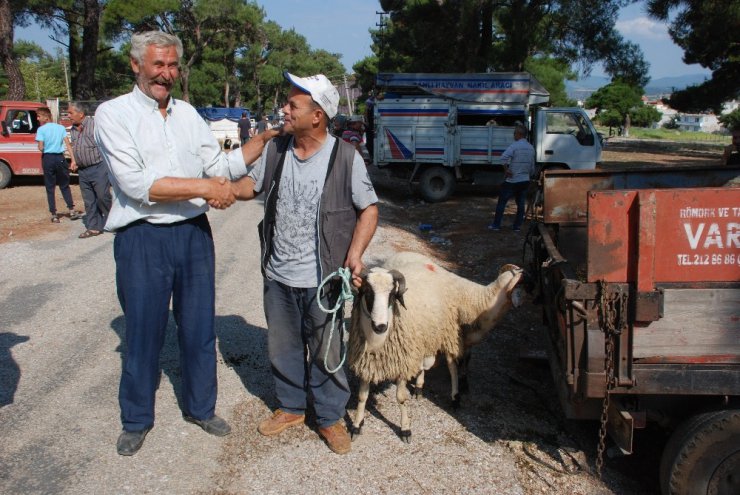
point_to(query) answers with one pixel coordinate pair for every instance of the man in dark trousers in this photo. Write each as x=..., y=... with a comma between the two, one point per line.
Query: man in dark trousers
x=518, y=160
x=320, y=214
x=52, y=140
x=245, y=128
x=93, y=174
x=166, y=169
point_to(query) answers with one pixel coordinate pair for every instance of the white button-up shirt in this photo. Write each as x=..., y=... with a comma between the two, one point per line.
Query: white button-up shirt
x=140, y=146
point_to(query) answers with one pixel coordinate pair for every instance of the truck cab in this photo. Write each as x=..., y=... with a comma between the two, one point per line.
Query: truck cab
x=19, y=153
x=565, y=138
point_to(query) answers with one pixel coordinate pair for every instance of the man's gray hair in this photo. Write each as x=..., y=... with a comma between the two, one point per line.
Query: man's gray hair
x=81, y=106
x=521, y=130
x=140, y=41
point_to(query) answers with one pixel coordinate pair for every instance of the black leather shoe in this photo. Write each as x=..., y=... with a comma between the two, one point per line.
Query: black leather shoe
x=129, y=442
x=214, y=425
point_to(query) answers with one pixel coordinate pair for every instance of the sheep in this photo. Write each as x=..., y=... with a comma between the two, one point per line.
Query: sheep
x=409, y=311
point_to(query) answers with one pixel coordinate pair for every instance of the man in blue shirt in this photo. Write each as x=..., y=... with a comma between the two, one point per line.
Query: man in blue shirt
x=518, y=160
x=51, y=140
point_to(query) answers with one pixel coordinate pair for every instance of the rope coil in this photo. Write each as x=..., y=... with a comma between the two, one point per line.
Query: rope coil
x=345, y=294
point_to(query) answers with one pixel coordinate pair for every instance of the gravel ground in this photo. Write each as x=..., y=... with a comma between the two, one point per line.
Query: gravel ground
x=59, y=368
x=60, y=357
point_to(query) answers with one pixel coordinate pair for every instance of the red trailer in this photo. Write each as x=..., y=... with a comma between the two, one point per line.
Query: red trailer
x=639, y=275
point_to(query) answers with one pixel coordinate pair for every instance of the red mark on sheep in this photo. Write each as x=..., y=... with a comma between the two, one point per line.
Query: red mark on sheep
x=431, y=267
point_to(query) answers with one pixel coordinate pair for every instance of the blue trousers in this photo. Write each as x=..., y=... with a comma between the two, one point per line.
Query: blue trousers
x=518, y=190
x=56, y=173
x=297, y=326
x=95, y=190
x=153, y=264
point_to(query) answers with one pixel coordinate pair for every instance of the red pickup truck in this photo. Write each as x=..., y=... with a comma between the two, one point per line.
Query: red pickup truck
x=19, y=153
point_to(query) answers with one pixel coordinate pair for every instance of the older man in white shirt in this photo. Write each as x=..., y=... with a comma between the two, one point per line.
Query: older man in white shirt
x=166, y=169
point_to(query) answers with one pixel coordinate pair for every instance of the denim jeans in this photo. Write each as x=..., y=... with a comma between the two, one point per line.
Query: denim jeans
x=518, y=190
x=298, y=333
x=56, y=173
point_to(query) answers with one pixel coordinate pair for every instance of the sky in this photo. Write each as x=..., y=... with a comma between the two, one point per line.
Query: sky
x=342, y=26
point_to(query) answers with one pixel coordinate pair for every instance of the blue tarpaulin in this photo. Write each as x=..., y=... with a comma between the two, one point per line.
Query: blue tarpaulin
x=219, y=113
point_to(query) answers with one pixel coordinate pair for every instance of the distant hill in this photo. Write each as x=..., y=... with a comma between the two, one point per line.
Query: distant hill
x=581, y=89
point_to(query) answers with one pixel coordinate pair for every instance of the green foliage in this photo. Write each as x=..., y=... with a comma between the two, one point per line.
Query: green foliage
x=507, y=35
x=43, y=80
x=707, y=30
x=610, y=118
x=617, y=98
x=676, y=135
x=552, y=73
x=43, y=74
x=645, y=116
x=731, y=120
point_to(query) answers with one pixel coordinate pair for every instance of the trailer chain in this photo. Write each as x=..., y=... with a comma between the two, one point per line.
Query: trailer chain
x=612, y=321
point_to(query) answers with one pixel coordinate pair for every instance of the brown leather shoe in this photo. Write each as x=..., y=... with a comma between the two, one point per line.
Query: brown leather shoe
x=279, y=422
x=336, y=437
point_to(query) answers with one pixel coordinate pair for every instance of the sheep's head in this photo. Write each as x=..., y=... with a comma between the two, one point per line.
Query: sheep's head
x=511, y=279
x=379, y=294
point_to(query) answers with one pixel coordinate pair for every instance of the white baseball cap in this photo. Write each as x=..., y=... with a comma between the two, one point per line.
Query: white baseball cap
x=322, y=91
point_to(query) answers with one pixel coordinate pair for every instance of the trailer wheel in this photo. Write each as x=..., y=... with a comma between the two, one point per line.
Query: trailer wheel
x=436, y=184
x=703, y=456
x=5, y=175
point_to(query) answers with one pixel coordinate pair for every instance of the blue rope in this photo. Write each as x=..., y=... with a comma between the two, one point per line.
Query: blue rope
x=345, y=275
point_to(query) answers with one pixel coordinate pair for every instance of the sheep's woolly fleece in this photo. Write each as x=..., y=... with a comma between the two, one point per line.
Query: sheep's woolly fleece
x=441, y=304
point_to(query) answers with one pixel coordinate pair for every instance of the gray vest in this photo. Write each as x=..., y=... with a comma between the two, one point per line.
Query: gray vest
x=337, y=215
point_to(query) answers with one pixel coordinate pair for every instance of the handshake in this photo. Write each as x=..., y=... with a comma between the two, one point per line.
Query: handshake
x=221, y=193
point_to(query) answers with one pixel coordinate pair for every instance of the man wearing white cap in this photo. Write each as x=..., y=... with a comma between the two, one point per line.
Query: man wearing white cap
x=320, y=215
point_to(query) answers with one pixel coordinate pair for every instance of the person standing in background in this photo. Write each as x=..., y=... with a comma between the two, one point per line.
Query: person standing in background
x=93, y=174
x=52, y=141
x=245, y=128
x=262, y=125
x=518, y=160
x=370, y=119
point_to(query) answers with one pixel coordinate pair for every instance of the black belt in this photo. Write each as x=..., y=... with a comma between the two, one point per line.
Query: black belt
x=195, y=220
x=88, y=166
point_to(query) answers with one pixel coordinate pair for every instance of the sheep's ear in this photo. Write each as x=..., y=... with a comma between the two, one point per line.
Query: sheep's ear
x=508, y=267
x=400, y=281
x=516, y=276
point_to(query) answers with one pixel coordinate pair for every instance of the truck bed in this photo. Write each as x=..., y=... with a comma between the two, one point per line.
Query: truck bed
x=668, y=241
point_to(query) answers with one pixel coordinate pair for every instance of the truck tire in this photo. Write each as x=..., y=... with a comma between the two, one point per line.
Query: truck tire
x=703, y=456
x=436, y=184
x=5, y=175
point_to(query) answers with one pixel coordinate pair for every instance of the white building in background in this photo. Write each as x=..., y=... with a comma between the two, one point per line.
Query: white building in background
x=698, y=122
x=730, y=106
x=667, y=113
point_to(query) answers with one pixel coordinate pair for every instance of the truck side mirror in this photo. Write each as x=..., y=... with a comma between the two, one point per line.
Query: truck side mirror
x=6, y=132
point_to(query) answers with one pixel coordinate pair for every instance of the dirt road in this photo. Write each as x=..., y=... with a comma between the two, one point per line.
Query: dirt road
x=60, y=356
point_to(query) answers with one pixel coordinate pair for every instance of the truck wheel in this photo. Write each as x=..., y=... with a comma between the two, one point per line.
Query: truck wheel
x=436, y=184
x=5, y=175
x=703, y=456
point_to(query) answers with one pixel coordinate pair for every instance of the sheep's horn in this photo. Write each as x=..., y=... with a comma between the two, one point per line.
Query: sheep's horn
x=399, y=279
x=363, y=274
